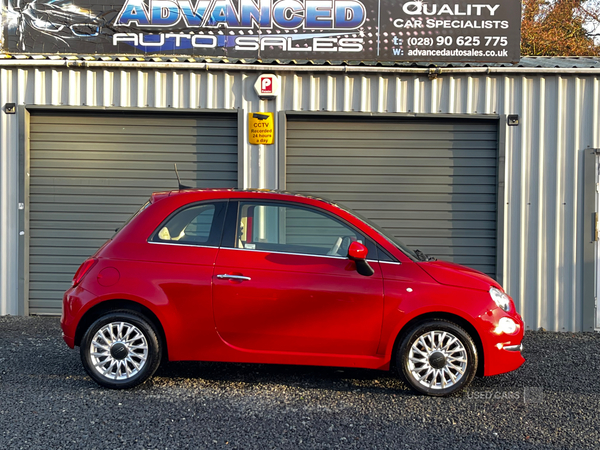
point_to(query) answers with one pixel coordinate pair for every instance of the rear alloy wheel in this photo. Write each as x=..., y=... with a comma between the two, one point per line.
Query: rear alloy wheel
x=437, y=358
x=120, y=350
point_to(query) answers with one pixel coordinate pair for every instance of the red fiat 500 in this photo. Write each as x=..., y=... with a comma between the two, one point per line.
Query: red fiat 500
x=267, y=277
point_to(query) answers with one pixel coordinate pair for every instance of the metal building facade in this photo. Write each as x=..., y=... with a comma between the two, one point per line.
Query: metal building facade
x=543, y=186
x=432, y=183
x=90, y=172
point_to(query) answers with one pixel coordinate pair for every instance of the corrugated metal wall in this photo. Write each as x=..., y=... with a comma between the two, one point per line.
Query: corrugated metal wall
x=430, y=182
x=91, y=172
x=543, y=229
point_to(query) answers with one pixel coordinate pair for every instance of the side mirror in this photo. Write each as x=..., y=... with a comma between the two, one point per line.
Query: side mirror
x=357, y=252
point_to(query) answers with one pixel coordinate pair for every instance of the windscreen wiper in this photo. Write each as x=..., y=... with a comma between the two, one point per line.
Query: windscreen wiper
x=423, y=257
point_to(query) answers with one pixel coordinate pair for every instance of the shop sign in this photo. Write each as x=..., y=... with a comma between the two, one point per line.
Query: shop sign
x=338, y=30
x=261, y=128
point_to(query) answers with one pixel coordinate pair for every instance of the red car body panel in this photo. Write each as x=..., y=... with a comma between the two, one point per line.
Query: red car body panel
x=294, y=309
x=451, y=274
x=297, y=304
x=428, y=296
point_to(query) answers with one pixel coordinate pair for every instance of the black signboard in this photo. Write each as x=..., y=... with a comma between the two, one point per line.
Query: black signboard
x=339, y=30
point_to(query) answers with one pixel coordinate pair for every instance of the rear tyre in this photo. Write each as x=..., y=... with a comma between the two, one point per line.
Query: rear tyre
x=437, y=358
x=121, y=350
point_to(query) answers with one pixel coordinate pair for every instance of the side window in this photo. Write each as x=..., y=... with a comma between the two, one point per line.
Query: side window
x=196, y=225
x=292, y=229
x=384, y=256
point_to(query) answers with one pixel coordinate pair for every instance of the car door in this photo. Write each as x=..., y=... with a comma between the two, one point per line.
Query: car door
x=283, y=283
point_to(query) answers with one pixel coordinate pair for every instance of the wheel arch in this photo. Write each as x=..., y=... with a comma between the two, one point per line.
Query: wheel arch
x=450, y=317
x=107, y=306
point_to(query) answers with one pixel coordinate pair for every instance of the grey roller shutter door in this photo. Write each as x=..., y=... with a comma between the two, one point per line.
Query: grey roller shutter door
x=90, y=172
x=431, y=183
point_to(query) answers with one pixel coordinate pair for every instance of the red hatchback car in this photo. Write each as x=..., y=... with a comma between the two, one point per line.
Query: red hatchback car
x=273, y=277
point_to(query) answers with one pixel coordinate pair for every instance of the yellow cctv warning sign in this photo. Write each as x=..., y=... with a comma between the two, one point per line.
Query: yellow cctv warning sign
x=261, y=128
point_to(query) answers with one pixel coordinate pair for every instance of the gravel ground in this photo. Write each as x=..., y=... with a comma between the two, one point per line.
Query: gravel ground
x=48, y=402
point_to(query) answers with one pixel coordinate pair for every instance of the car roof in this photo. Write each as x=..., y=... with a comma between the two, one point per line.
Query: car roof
x=232, y=191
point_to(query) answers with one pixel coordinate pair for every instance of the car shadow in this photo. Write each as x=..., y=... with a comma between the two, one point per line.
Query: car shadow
x=309, y=377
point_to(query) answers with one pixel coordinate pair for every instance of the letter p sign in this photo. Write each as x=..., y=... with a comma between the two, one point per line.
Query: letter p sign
x=267, y=85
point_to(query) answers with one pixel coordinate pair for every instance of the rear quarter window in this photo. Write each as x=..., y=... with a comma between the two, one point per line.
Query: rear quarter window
x=199, y=224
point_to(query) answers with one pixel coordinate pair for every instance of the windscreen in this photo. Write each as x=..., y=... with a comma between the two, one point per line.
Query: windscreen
x=392, y=239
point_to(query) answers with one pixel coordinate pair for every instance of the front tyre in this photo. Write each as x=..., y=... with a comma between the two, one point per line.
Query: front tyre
x=120, y=350
x=437, y=358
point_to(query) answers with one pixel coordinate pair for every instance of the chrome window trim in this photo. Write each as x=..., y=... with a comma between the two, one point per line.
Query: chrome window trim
x=265, y=251
x=182, y=245
x=290, y=253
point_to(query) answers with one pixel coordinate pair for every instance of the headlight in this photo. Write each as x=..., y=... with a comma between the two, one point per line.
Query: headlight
x=500, y=298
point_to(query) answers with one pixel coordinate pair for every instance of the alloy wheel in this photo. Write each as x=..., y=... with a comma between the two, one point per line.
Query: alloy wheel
x=118, y=351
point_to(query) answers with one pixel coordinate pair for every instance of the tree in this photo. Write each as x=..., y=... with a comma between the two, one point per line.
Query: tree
x=560, y=28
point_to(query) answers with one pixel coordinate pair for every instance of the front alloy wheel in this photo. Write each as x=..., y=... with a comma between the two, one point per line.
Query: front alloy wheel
x=437, y=358
x=120, y=350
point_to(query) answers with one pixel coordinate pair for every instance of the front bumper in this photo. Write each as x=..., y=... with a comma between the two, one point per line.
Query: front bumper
x=502, y=360
x=502, y=352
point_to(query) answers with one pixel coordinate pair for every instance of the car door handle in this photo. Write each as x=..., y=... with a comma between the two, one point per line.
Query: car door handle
x=226, y=276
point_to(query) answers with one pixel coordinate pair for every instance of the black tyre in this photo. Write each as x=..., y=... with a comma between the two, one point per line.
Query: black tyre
x=437, y=358
x=121, y=350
